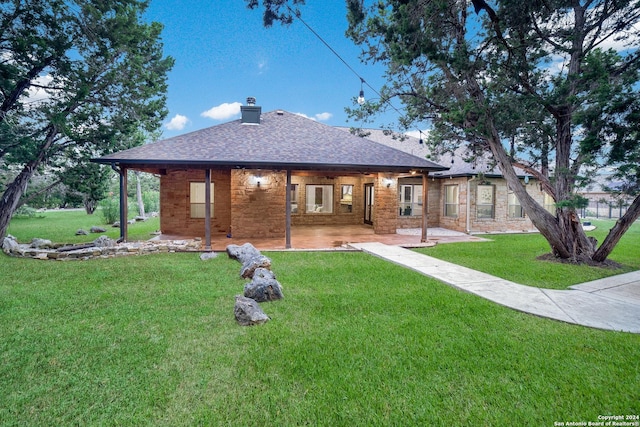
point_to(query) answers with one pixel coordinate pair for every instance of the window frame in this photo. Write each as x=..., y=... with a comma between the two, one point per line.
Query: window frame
x=451, y=203
x=485, y=201
x=295, y=194
x=511, y=207
x=326, y=205
x=346, y=198
x=195, y=205
x=412, y=206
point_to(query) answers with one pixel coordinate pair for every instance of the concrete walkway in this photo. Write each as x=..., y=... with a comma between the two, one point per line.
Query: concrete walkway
x=612, y=303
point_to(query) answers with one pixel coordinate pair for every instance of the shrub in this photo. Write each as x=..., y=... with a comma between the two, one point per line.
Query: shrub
x=151, y=200
x=110, y=208
x=25, y=211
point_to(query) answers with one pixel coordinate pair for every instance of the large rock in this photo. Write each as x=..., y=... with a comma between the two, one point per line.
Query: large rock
x=104, y=242
x=208, y=255
x=248, y=312
x=41, y=243
x=263, y=286
x=96, y=229
x=10, y=244
x=250, y=257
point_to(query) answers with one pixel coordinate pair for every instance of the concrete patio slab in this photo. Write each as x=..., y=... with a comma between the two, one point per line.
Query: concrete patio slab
x=611, y=303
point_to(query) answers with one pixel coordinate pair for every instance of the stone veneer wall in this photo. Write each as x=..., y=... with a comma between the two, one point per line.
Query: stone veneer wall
x=501, y=222
x=458, y=223
x=258, y=212
x=385, y=217
x=175, y=215
x=340, y=215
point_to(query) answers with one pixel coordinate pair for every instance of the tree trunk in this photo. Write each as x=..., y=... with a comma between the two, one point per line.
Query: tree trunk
x=90, y=205
x=11, y=197
x=15, y=190
x=621, y=226
x=139, y=195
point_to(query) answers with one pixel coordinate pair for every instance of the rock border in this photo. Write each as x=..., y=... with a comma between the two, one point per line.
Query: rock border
x=102, y=247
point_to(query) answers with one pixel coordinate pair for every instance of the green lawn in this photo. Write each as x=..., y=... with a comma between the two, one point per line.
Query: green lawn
x=513, y=257
x=60, y=226
x=357, y=341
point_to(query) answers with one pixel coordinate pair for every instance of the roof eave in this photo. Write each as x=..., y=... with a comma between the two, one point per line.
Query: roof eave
x=202, y=164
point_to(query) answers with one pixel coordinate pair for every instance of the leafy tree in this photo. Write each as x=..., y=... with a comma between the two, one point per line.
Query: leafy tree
x=537, y=84
x=77, y=79
x=89, y=181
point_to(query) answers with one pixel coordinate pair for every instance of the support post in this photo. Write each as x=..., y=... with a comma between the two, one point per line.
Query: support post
x=288, y=213
x=207, y=209
x=122, y=172
x=425, y=205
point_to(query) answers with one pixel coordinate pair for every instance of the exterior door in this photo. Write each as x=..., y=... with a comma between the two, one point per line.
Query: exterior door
x=368, y=203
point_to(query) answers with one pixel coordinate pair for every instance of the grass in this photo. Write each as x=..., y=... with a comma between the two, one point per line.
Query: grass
x=60, y=226
x=356, y=342
x=513, y=257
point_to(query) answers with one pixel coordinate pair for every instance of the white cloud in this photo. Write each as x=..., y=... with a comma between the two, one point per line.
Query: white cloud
x=36, y=94
x=319, y=116
x=324, y=116
x=223, y=111
x=263, y=66
x=178, y=122
x=416, y=134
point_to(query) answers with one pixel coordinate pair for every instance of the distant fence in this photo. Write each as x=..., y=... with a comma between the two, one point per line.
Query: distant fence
x=608, y=210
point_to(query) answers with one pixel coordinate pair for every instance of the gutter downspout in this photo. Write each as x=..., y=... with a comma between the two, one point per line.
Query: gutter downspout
x=469, y=204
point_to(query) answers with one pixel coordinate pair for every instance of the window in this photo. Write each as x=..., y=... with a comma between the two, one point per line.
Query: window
x=451, y=200
x=410, y=200
x=549, y=203
x=484, y=204
x=346, y=199
x=319, y=198
x=294, y=198
x=513, y=204
x=197, y=199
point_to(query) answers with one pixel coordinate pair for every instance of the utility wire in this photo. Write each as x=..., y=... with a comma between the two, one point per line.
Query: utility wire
x=362, y=80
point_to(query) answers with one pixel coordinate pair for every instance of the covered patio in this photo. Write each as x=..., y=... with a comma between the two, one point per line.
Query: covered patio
x=334, y=237
x=262, y=177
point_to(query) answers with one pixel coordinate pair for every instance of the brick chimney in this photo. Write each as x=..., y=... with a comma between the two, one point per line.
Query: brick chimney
x=250, y=112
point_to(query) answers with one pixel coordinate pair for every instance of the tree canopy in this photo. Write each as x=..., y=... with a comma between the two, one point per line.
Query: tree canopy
x=77, y=79
x=551, y=86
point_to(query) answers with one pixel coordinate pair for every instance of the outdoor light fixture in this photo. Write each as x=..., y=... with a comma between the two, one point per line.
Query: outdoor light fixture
x=526, y=179
x=361, y=99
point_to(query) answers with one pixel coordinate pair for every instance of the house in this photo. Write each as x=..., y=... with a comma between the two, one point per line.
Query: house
x=258, y=176
x=470, y=196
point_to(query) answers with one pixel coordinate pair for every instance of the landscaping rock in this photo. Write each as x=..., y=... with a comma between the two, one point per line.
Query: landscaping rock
x=208, y=255
x=84, y=251
x=10, y=244
x=250, y=257
x=116, y=224
x=248, y=312
x=263, y=287
x=104, y=242
x=96, y=229
x=82, y=232
x=41, y=243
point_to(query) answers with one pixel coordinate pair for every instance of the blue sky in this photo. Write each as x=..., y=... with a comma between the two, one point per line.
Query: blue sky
x=223, y=54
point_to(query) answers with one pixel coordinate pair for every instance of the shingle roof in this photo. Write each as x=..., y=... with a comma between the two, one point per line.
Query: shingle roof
x=455, y=162
x=281, y=140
